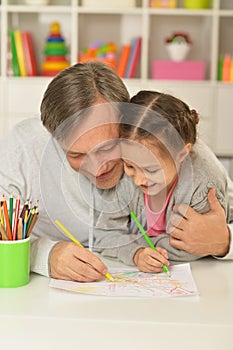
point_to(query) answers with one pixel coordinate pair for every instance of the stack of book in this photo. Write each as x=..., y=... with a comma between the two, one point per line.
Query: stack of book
x=129, y=59
x=225, y=68
x=22, y=61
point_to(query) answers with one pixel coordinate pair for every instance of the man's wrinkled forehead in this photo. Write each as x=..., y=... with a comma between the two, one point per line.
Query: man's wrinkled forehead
x=96, y=118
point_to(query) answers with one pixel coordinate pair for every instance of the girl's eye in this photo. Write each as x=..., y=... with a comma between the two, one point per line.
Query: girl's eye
x=151, y=171
x=128, y=166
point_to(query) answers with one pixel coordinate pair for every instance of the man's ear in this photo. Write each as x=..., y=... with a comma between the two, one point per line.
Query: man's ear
x=185, y=151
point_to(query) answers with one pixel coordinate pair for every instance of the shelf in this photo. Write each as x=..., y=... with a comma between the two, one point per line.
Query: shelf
x=38, y=9
x=210, y=31
x=181, y=12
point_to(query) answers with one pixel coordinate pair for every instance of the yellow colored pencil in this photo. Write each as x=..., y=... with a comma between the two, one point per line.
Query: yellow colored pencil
x=64, y=229
x=5, y=212
x=3, y=233
x=1, y=216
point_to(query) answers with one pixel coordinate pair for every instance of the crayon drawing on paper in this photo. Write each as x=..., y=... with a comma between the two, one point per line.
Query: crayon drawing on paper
x=132, y=282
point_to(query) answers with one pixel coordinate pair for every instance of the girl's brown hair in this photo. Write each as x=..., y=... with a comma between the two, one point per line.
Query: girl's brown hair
x=154, y=113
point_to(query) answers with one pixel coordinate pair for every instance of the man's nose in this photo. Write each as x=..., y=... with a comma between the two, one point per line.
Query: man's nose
x=93, y=161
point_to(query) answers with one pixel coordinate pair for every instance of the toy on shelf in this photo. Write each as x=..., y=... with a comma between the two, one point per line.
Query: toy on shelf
x=178, y=68
x=178, y=46
x=100, y=51
x=182, y=70
x=163, y=3
x=55, y=52
x=196, y=4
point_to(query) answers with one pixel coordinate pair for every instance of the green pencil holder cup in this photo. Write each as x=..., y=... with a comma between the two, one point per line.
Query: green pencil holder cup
x=196, y=4
x=14, y=263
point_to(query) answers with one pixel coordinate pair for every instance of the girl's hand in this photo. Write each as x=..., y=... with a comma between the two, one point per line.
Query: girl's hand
x=149, y=260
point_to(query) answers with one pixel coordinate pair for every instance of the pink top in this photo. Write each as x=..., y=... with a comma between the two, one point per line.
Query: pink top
x=156, y=222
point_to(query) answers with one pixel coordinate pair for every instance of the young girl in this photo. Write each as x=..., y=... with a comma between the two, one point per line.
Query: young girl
x=162, y=155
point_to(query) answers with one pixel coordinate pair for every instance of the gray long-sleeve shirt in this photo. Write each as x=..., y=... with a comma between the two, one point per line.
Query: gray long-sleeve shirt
x=35, y=167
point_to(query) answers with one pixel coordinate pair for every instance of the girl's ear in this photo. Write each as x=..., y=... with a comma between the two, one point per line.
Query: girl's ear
x=185, y=151
x=188, y=147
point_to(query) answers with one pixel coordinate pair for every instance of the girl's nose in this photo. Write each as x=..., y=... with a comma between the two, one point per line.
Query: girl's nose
x=139, y=178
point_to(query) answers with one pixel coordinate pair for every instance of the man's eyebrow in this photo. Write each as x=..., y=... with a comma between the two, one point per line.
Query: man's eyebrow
x=72, y=152
x=102, y=146
x=108, y=143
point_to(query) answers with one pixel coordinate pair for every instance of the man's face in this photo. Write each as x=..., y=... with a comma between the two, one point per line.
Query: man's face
x=94, y=148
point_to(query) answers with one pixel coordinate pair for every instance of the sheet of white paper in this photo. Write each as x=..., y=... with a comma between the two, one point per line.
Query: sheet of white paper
x=134, y=283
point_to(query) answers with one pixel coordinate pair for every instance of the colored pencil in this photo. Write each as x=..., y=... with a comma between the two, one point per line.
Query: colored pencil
x=30, y=218
x=1, y=216
x=7, y=221
x=64, y=229
x=20, y=229
x=150, y=243
x=16, y=217
x=25, y=224
x=25, y=207
x=33, y=222
x=3, y=233
x=11, y=206
x=15, y=226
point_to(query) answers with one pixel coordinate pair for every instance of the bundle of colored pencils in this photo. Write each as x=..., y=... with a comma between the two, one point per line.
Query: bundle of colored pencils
x=13, y=224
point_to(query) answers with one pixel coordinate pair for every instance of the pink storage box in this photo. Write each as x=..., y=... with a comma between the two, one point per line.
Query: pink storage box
x=184, y=70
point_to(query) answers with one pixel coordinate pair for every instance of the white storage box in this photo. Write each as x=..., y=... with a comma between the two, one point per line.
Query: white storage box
x=109, y=3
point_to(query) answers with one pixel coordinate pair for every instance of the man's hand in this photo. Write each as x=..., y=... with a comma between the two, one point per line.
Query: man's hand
x=68, y=261
x=200, y=234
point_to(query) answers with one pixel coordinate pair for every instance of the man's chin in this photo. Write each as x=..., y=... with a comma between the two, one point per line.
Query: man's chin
x=107, y=182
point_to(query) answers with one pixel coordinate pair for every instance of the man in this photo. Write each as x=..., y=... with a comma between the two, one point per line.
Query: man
x=59, y=172
x=77, y=175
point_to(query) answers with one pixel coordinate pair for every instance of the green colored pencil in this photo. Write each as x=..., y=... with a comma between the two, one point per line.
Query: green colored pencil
x=133, y=215
x=11, y=211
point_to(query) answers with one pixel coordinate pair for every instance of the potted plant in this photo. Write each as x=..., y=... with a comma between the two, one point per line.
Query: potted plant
x=178, y=46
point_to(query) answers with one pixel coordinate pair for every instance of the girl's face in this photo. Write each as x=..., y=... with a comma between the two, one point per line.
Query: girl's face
x=150, y=168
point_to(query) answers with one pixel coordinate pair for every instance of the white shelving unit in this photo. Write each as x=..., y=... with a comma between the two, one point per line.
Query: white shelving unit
x=210, y=30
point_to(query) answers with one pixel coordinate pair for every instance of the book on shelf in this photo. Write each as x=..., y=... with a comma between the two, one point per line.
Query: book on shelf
x=29, y=54
x=123, y=59
x=22, y=52
x=15, y=64
x=10, y=72
x=134, y=57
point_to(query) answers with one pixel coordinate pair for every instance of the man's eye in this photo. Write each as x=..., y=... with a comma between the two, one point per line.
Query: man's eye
x=108, y=147
x=74, y=156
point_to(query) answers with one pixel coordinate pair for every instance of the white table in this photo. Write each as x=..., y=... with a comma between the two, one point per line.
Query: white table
x=39, y=317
